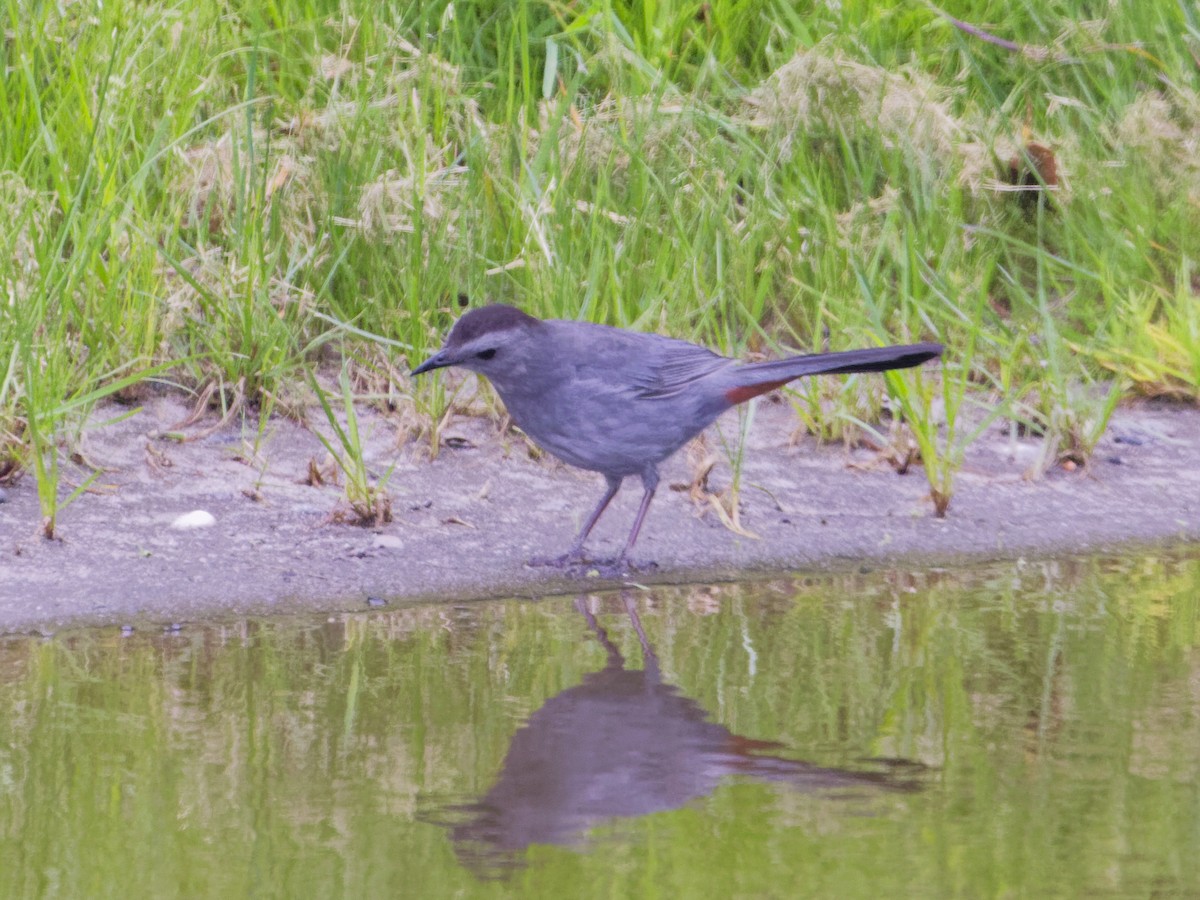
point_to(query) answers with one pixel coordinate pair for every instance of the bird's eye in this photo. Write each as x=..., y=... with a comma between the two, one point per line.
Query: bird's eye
x=486, y=354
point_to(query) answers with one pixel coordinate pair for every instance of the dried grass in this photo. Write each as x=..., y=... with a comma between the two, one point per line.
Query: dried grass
x=599, y=137
x=819, y=96
x=1160, y=134
x=211, y=174
x=28, y=213
x=829, y=95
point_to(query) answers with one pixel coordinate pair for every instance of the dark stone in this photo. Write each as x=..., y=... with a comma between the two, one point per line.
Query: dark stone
x=1130, y=438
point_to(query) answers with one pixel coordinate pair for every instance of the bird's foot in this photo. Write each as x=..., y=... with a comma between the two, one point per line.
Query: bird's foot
x=619, y=567
x=570, y=558
x=614, y=567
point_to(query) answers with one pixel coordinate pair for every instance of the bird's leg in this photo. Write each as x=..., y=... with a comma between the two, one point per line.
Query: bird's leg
x=622, y=565
x=615, y=659
x=649, y=657
x=575, y=554
x=650, y=484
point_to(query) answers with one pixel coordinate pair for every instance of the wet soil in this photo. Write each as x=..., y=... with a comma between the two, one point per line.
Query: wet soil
x=466, y=522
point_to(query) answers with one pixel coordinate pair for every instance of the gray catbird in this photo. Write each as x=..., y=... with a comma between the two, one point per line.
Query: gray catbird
x=620, y=402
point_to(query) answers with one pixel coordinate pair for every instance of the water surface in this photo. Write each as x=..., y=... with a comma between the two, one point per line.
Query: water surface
x=1015, y=730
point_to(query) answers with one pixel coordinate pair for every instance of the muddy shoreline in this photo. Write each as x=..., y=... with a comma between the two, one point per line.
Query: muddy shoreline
x=466, y=521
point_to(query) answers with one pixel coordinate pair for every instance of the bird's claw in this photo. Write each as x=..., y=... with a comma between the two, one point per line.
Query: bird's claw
x=620, y=566
x=570, y=558
x=614, y=567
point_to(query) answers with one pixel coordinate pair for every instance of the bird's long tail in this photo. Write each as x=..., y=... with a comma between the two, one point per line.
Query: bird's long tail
x=758, y=378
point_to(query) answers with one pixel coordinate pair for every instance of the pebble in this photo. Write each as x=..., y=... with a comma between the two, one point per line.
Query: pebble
x=376, y=601
x=197, y=518
x=387, y=542
x=3, y=495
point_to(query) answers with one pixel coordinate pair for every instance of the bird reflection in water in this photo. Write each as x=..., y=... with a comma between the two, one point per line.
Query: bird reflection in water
x=621, y=744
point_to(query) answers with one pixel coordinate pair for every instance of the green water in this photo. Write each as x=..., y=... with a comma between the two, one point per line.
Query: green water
x=1010, y=731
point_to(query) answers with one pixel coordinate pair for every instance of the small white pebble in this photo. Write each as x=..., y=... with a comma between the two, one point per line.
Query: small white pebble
x=197, y=518
x=387, y=542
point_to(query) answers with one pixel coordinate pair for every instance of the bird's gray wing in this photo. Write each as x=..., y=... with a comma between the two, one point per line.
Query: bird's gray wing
x=675, y=366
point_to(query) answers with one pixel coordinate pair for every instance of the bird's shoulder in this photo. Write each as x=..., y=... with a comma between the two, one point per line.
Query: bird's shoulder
x=648, y=365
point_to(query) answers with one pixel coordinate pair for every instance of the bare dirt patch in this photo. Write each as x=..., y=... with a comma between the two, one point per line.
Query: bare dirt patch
x=466, y=522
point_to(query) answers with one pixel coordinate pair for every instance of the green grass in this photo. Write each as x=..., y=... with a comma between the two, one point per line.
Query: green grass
x=367, y=495
x=199, y=188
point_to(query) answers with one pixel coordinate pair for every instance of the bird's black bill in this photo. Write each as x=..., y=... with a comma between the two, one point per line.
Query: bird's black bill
x=437, y=361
